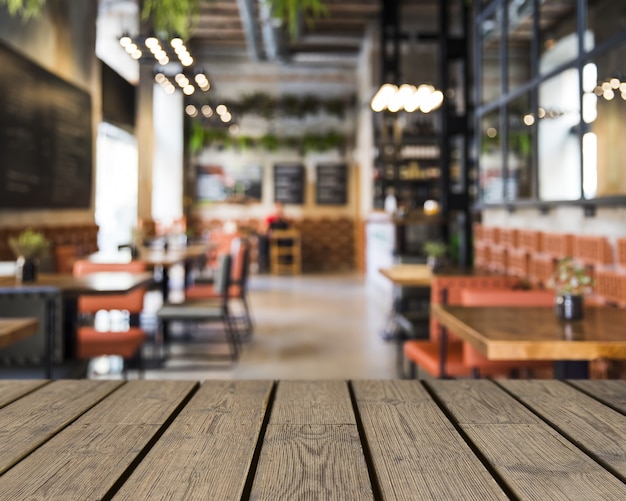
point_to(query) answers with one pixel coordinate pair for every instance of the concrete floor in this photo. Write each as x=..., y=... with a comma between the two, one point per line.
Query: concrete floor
x=307, y=327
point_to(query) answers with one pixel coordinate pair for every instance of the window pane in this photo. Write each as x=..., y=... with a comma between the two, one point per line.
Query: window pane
x=558, y=41
x=491, y=173
x=520, y=168
x=604, y=112
x=605, y=18
x=519, y=43
x=490, y=55
x=558, y=139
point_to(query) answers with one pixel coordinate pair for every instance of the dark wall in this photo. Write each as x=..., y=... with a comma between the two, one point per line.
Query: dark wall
x=118, y=99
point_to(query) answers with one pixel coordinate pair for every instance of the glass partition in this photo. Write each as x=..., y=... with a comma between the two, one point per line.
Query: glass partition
x=491, y=159
x=521, y=122
x=558, y=38
x=490, y=41
x=519, y=42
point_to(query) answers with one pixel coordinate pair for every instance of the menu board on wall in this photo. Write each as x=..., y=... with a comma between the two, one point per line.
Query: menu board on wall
x=45, y=138
x=289, y=183
x=332, y=184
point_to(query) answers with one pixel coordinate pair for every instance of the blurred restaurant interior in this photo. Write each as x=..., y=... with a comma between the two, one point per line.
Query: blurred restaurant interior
x=368, y=129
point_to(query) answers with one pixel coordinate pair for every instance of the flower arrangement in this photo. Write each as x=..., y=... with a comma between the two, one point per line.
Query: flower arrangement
x=570, y=279
x=29, y=244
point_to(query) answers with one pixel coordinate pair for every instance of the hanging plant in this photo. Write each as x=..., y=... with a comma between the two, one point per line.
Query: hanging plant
x=289, y=12
x=171, y=17
x=25, y=9
x=269, y=142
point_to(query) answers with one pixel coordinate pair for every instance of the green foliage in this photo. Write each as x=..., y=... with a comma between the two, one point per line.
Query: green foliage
x=570, y=278
x=25, y=9
x=29, y=244
x=291, y=11
x=435, y=249
x=171, y=17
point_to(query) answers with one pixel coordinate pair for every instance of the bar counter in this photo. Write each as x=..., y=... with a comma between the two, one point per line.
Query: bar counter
x=312, y=440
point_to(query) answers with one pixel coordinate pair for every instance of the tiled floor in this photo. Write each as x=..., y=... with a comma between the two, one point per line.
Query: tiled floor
x=307, y=327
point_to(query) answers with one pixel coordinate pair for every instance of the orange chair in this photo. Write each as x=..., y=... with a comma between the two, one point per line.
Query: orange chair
x=126, y=343
x=459, y=359
x=238, y=288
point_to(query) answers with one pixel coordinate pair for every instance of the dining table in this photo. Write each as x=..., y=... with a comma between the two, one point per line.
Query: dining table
x=325, y=439
x=536, y=333
x=13, y=330
x=71, y=288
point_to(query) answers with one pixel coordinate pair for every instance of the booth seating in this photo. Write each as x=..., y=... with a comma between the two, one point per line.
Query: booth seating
x=455, y=358
x=238, y=289
x=125, y=340
x=285, y=252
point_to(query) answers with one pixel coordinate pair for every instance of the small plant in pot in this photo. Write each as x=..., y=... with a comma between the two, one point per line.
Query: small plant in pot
x=571, y=283
x=435, y=254
x=28, y=247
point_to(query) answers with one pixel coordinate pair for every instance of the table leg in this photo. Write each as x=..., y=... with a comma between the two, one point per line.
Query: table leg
x=571, y=369
x=165, y=283
x=70, y=327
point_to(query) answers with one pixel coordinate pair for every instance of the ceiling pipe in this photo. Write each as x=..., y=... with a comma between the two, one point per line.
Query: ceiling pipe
x=273, y=37
x=248, y=20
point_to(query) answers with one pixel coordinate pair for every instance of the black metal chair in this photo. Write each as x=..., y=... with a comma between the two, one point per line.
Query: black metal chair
x=209, y=311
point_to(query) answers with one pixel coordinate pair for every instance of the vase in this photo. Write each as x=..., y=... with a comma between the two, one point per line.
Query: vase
x=26, y=269
x=434, y=263
x=570, y=306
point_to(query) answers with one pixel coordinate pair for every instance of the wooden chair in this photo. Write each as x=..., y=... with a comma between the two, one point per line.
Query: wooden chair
x=285, y=252
x=238, y=289
x=206, y=311
x=451, y=357
x=126, y=343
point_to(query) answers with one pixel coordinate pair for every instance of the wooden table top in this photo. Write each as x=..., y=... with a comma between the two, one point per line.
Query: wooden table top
x=408, y=275
x=172, y=256
x=264, y=440
x=94, y=284
x=14, y=329
x=525, y=333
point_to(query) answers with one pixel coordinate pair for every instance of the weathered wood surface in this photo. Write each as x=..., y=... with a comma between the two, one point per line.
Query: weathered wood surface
x=12, y=390
x=312, y=448
x=531, y=333
x=14, y=329
x=264, y=440
x=208, y=450
x=530, y=457
x=415, y=449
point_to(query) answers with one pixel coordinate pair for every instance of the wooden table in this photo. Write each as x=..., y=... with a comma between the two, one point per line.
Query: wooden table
x=408, y=275
x=536, y=334
x=374, y=440
x=15, y=329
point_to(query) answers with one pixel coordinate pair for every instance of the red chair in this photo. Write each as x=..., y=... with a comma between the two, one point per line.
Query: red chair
x=461, y=359
x=125, y=343
x=238, y=288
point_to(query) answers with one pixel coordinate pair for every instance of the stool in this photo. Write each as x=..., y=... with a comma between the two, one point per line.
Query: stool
x=285, y=252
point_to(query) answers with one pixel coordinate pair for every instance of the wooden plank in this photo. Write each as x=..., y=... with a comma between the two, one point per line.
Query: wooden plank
x=32, y=420
x=312, y=448
x=534, y=460
x=611, y=392
x=11, y=390
x=88, y=458
x=587, y=422
x=207, y=451
x=416, y=451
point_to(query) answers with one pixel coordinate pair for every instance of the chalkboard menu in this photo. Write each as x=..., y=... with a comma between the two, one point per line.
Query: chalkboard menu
x=289, y=183
x=332, y=184
x=45, y=138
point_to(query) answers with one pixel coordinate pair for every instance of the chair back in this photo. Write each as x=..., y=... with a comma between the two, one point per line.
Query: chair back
x=131, y=301
x=222, y=276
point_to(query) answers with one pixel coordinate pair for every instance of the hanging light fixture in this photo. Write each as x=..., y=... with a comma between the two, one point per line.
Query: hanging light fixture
x=174, y=64
x=424, y=98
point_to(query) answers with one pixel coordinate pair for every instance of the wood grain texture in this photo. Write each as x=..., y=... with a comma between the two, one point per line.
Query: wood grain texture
x=14, y=329
x=416, y=451
x=409, y=275
x=534, y=460
x=612, y=392
x=85, y=459
x=598, y=428
x=312, y=448
x=35, y=418
x=529, y=333
x=207, y=451
x=11, y=390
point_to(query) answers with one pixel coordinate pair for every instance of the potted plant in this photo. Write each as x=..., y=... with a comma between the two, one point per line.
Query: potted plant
x=435, y=252
x=571, y=283
x=28, y=247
